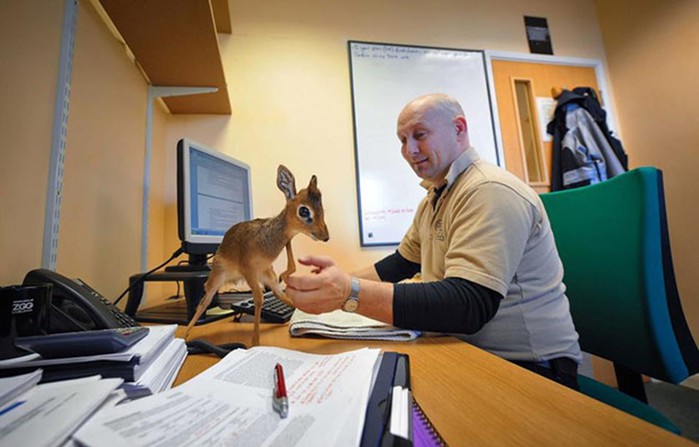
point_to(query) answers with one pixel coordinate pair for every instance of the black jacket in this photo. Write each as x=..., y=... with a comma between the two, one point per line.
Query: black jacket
x=586, y=98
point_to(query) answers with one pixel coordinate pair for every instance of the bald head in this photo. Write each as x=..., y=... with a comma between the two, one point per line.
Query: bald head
x=439, y=102
x=433, y=132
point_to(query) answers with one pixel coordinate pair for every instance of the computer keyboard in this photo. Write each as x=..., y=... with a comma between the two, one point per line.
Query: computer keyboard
x=273, y=309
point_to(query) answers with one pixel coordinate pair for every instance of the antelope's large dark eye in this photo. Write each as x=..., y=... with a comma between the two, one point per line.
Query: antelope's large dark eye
x=305, y=213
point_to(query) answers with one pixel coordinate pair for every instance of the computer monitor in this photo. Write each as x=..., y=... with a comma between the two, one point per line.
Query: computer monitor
x=213, y=193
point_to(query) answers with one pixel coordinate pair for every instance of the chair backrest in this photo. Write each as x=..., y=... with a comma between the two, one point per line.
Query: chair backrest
x=612, y=239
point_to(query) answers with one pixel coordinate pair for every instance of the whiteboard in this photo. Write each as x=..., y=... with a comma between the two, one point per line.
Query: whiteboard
x=384, y=79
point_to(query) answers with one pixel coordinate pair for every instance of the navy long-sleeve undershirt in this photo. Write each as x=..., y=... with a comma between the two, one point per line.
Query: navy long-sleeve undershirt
x=453, y=305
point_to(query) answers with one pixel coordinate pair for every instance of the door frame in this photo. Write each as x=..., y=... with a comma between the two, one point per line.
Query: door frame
x=596, y=64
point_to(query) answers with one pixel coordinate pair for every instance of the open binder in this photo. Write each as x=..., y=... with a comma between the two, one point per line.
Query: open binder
x=384, y=409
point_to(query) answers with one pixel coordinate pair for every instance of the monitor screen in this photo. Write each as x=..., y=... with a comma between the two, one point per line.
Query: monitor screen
x=213, y=194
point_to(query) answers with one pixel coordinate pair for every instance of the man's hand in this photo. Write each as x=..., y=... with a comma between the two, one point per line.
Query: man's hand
x=324, y=291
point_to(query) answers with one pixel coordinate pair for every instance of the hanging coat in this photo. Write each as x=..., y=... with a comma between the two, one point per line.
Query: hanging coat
x=586, y=156
x=584, y=150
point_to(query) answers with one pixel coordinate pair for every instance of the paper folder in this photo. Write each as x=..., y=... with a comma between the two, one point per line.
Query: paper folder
x=394, y=371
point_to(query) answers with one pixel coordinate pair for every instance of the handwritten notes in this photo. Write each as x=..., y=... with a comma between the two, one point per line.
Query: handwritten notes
x=231, y=404
x=388, y=52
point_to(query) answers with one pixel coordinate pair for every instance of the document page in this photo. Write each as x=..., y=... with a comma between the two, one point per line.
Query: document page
x=47, y=414
x=11, y=387
x=231, y=404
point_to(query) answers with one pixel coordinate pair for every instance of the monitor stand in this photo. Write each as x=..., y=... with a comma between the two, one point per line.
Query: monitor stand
x=180, y=312
x=197, y=263
x=188, y=268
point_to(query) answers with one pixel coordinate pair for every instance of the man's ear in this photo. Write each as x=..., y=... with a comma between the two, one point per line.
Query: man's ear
x=460, y=125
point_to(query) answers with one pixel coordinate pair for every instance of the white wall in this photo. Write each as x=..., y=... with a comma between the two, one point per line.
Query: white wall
x=652, y=49
x=100, y=225
x=29, y=44
x=286, y=65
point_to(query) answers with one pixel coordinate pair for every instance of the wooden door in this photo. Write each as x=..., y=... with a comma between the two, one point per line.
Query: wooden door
x=541, y=79
x=522, y=89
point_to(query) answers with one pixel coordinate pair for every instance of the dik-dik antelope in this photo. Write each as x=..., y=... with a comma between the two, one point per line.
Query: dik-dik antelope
x=249, y=248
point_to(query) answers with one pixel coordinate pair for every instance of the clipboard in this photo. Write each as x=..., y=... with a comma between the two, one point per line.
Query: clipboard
x=379, y=407
x=394, y=371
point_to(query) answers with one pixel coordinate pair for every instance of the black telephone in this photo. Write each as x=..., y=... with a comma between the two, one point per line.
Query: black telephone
x=75, y=306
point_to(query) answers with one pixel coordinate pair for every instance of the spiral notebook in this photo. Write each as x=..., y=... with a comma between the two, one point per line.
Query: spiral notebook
x=424, y=433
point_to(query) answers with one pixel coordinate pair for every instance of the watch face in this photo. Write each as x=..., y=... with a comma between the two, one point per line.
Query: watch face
x=350, y=305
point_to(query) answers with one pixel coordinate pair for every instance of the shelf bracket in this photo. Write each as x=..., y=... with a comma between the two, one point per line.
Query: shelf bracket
x=54, y=193
x=155, y=92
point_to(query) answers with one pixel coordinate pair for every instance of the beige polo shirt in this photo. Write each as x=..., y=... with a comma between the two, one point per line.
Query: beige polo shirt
x=489, y=227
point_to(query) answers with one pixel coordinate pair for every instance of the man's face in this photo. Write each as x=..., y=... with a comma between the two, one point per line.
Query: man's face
x=429, y=140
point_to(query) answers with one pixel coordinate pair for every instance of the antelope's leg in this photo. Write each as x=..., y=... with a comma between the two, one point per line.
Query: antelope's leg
x=269, y=278
x=258, y=299
x=215, y=281
x=290, y=265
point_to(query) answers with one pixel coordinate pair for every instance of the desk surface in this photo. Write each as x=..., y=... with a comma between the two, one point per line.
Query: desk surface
x=469, y=395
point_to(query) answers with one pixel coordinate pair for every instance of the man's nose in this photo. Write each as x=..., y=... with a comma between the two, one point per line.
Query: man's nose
x=410, y=147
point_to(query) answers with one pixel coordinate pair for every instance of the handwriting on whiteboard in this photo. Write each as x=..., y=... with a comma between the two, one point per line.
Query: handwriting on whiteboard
x=386, y=213
x=370, y=51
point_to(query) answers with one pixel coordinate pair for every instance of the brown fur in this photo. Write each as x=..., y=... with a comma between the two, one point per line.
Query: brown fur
x=249, y=248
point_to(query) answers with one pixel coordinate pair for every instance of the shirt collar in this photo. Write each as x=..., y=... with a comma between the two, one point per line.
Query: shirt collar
x=462, y=162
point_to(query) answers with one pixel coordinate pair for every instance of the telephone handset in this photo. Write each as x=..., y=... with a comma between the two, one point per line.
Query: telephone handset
x=75, y=306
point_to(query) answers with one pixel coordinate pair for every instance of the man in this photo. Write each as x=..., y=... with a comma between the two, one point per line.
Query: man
x=483, y=244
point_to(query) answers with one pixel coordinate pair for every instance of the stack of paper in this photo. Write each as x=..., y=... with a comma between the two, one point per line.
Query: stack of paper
x=48, y=414
x=19, y=359
x=149, y=366
x=231, y=404
x=161, y=372
x=339, y=324
x=12, y=387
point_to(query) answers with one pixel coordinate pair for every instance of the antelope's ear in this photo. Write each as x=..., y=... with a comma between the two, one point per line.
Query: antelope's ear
x=313, y=184
x=286, y=182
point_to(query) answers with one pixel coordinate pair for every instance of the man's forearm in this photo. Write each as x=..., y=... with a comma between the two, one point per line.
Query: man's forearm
x=376, y=300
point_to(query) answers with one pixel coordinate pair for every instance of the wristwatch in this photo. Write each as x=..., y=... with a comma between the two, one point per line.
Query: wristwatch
x=352, y=302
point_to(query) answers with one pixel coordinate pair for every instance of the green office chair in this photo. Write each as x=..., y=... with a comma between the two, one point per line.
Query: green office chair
x=613, y=240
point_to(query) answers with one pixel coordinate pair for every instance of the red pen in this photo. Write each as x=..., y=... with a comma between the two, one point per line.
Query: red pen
x=280, y=402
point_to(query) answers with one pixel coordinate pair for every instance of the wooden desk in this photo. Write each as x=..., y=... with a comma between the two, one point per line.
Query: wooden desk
x=471, y=396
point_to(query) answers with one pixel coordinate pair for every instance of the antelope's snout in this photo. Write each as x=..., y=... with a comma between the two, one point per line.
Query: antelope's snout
x=322, y=234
